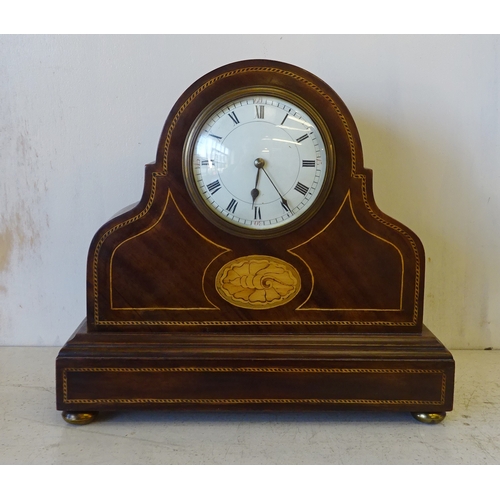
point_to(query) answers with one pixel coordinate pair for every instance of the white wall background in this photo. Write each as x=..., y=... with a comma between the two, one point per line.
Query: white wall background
x=80, y=116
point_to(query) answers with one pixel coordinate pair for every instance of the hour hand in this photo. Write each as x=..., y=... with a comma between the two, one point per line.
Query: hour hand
x=258, y=163
x=254, y=192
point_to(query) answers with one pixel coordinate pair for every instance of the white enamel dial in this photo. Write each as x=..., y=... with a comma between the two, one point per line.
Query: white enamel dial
x=258, y=162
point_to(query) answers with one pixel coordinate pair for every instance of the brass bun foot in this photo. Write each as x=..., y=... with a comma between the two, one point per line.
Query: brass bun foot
x=429, y=418
x=79, y=418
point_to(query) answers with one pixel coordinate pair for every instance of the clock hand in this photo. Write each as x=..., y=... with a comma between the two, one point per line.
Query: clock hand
x=284, y=203
x=259, y=163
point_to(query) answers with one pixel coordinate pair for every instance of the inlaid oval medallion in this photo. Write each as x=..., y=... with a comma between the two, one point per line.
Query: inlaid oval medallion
x=257, y=282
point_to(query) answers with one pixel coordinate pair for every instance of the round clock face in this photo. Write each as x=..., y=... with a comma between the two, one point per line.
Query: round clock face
x=258, y=164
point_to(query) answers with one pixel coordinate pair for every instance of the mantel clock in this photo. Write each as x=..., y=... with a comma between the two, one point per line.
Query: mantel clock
x=256, y=271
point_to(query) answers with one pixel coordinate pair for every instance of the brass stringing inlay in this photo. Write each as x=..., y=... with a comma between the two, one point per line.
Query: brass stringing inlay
x=257, y=282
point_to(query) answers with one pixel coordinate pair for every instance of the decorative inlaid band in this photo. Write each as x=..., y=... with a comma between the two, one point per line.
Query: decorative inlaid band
x=257, y=401
x=237, y=401
x=252, y=369
x=255, y=323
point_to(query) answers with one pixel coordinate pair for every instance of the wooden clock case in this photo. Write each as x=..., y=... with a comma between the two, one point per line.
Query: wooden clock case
x=160, y=334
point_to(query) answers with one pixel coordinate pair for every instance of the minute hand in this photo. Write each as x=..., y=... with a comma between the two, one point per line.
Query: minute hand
x=283, y=200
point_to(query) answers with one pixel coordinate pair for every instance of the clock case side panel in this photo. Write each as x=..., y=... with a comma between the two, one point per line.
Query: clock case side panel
x=405, y=241
x=101, y=249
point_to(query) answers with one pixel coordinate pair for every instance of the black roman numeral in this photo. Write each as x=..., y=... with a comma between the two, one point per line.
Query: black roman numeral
x=215, y=137
x=301, y=188
x=233, y=117
x=303, y=138
x=214, y=186
x=309, y=163
x=286, y=116
x=257, y=215
x=232, y=206
x=259, y=111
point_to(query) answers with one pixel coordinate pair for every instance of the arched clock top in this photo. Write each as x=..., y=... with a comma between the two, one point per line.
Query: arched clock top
x=275, y=76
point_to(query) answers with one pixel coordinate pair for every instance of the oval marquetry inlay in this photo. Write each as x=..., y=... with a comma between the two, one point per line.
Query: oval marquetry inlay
x=258, y=282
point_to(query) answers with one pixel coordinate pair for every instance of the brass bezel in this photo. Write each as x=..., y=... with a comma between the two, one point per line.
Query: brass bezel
x=222, y=101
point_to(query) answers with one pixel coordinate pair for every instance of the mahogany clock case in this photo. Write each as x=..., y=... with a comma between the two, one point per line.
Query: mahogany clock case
x=171, y=322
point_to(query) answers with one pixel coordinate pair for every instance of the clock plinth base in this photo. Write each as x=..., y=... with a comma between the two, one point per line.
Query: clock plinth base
x=201, y=371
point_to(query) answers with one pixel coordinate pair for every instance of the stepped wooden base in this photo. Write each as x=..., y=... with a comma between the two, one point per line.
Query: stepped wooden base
x=119, y=371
